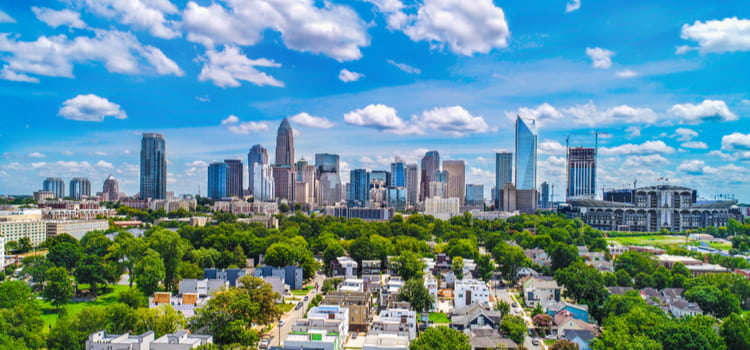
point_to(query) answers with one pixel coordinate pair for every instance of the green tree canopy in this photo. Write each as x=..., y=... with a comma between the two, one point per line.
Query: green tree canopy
x=441, y=338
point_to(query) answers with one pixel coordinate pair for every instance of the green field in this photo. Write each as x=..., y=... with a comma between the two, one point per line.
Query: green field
x=439, y=317
x=301, y=292
x=652, y=240
x=49, y=313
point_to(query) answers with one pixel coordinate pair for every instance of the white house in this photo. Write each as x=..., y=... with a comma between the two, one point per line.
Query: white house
x=385, y=342
x=541, y=290
x=102, y=341
x=181, y=340
x=396, y=321
x=470, y=291
x=324, y=328
x=432, y=286
x=352, y=285
x=681, y=308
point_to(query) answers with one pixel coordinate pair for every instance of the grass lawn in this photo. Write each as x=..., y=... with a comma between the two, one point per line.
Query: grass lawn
x=286, y=307
x=725, y=246
x=439, y=317
x=549, y=342
x=301, y=292
x=49, y=313
x=653, y=240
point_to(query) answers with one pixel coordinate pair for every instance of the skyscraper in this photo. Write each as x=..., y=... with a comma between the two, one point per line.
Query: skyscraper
x=326, y=163
x=544, y=201
x=430, y=166
x=257, y=155
x=456, y=184
x=283, y=169
x=398, y=173
x=359, y=188
x=263, y=185
x=80, y=187
x=525, y=154
x=581, y=172
x=153, y=166
x=55, y=185
x=412, y=184
x=475, y=195
x=217, y=180
x=305, y=184
x=503, y=174
x=111, y=189
x=235, y=177
x=329, y=180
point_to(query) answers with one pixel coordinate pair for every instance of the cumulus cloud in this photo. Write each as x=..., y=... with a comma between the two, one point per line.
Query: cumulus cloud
x=35, y=155
x=735, y=141
x=633, y=131
x=464, y=27
x=685, y=134
x=232, y=119
x=600, y=58
x=10, y=75
x=717, y=36
x=235, y=126
x=5, y=18
x=332, y=30
x=648, y=147
x=720, y=154
x=481, y=173
x=348, y=76
x=572, y=5
x=551, y=147
x=90, y=108
x=405, y=67
x=627, y=73
x=55, y=56
x=311, y=121
x=376, y=116
x=140, y=14
x=104, y=165
x=395, y=17
x=651, y=160
x=56, y=19
x=67, y=153
x=708, y=110
x=197, y=163
x=694, y=145
x=588, y=114
x=454, y=121
x=226, y=69
x=695, y=167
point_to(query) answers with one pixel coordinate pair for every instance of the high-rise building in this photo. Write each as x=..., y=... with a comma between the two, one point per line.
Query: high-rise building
x=503, y=174
x=581, y=172
x=327, y=163
x=398, y=173
x=412, y=184
x=526, y=141
x=397, y=197
x=283, y=169
x=430, y=167
x=235, y=177
x=329, y=180
x=263, y=185
x=80, y=187
x=379, y=180
x=111, y=189
x=381, y=177
x=55, y=185
x=217, y=180
x=305, y=185
x=456, y=184
x=257, y=155
x=153, y=166
x=544, y=201
x=359, y=188
x=475, y=195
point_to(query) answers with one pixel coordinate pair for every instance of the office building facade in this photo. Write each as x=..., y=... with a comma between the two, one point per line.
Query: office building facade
x=581, y=172
x=412, y=184
x=235, y=178
x=153, y=166
x=359, y=188
x=430, y=167
x=475, y=195
x=55, y=185
x=80, y=187
x=544, y=196
x=503, y=173
x=456, y=179
x=111, y=189
x=217, y=180
x=283, y=169
x=257, y=155
x=263, y=185
x=329, y=180
x=526, y=144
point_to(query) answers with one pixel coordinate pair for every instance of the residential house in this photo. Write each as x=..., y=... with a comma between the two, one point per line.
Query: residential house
x=486, y=338
x=470, y=291
x=619, y=290
x=344, y=266
x=181, y=340
x=325, y=327
x=582, y=338
x=352, y=285
x=475, y=315
x=359, y=305
x=564, y=321
x=577, y=311
x=204, y=287
x=385, y=341
x=432, y=286
x=292, y=275
x=681, y=308
x=229, y=275
x=397, y=321
x=541, y=290
x=371, y=270
x=101, y=340
x=538, y=256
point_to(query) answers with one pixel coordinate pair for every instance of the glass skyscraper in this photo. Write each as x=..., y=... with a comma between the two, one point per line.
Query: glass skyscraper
x=430, y=168
x=398, y=174
x=359, y=188
x=525, y=154
x=55, y=185
x=257, y=155
x=217, y=180
x=503, y=173
x=80, y=187
x=581, y=172
x=329, y=181
x=474, y=195
x=235, y=177
x=326, y=163
x=153, y=166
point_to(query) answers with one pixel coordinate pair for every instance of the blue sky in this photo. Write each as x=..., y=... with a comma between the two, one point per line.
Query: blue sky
x=371, y=79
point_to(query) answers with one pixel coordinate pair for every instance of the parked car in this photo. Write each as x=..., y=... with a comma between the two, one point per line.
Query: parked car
x=281, y=323
x=306, y=298
x=264, y=343
x=299, y=306
x=535, y=341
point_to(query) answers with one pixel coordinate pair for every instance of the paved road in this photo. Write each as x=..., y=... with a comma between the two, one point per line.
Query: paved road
x=293, y=315
x=502, y=293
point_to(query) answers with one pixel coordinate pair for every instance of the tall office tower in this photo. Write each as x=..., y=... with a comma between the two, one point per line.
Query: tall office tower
x=398, y=173
x=397, y=197
x=80, y=187
x=412, y=184
x=544, y=196
x=436, y=189
x=382, y=176
x=263, y=185
x=581, y=172
x=475, y=195
x=430, y=166
x=283, y=169
x=55, y=185
x=359, y=188
x=525, y=154
x=456, y=184
x=329, y=181
x=257, y=155
x=111, y=189
x=503, y=174
x=305, y=185
x=379, y=180
x=235, y=177
x=153, y=166
x=217, y=180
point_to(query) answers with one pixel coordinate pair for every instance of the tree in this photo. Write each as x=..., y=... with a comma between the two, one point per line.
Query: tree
x=206, y=258
x=91, y=271
x=36, y=266
x=24, y=244
x=332, y=251
x=564, y=344
x=238, y=257
x=511, y=259
x=583, y=283
x=457, y=265
x=20, y=318
x=417, y=295
x=189, y=270
x=128, y=250
x=65, y=255
x=563, y=255
x=409, y=265
x=281, y=254
x=59, y=287
x=662, y=278
x=149, y=271
x=441, y=338
x=635, y=262
x=542, y=322
x=162, y=320
x=736, y=332
x=485, y=267
x=719, y=303
x=503, y=307
x=681, y=337
x=514, y=328
x=133, y=297
x=95, y=243
x=171, y=247
x=644, y=280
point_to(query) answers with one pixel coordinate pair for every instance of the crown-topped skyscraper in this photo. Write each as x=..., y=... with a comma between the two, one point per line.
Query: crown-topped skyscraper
x=283, y=169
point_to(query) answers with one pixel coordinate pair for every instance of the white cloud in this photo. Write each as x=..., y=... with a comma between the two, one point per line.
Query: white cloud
x=735, y=141
x=481, y=173
x=7, y=74
x=694, y=145
x=56, y=19
x=393, y=11
x=5, y=18
x=465, y=27
x=100, y=153
x=717, y=36
x=104, y=165
x=551, y=147
x=332, y=30
x=140, y=14
x=695, y=167
x=90, y=108
x=376, y=116
x=312, y=121
x=541, y=113
x=454, y=121
x=232, y=119
x=589, y=114
x=35, y=155
x=648, y=147
x=203, y=98
x=228, y=67
x=634, y=131
x=720, y=154
x=708, y=110
x=600, y=58
x=745, y=102
x=572, y=5
x=405, y=67
x=348, y=76
x=197, y=163
x=627, y=73
x=38, y=165
x=685, y=134
x=67, y=153
x=651, y=160
x=54, y=56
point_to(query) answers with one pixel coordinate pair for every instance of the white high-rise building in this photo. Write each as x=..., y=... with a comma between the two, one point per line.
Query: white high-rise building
x=263, y=183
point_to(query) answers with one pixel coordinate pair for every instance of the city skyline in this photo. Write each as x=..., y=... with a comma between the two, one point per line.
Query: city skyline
x=661, y=88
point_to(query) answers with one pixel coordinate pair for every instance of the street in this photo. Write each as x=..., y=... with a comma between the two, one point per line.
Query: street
x=501, y=293
x=293, y=315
